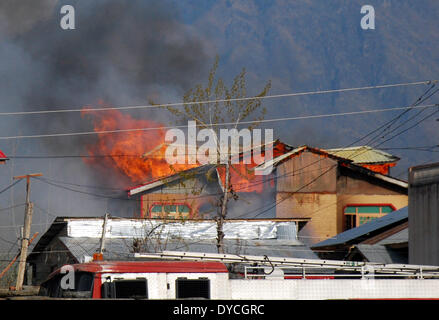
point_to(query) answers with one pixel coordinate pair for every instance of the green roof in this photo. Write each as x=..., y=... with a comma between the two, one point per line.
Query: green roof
x=363, y=155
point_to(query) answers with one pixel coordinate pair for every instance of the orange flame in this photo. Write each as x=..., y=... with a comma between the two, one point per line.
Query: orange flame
x=138, y=155
x=243, y=178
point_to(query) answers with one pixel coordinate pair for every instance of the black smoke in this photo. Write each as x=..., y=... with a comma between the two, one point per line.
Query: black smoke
x=121, y=53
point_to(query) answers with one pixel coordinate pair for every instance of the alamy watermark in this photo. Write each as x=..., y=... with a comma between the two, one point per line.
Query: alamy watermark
x=368, y=20
x=233, y=146
x=67, y=22
x=68, y=280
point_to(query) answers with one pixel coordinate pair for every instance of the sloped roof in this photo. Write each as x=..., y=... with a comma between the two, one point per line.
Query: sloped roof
x=381, y=254
x=364, y=155
x=396, y=238
x=168, y=179
x=363, y=231
x=279, y=147
x=121, y=249
x=82, y=236
x=295, y=152
x=269, y=166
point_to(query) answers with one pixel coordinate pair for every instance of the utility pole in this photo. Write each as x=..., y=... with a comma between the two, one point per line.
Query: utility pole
x=26, y=230
x=99, y=255
x=104, y=230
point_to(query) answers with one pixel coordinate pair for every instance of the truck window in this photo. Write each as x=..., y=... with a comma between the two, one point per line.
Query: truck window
x=82, y=288
x=192, y=288
x=125, y=289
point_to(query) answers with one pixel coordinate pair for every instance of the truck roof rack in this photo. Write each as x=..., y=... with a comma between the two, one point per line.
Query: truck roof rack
x=349, y=266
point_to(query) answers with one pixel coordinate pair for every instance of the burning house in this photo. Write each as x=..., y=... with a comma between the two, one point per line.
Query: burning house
x=325, y=191
x=195, y=193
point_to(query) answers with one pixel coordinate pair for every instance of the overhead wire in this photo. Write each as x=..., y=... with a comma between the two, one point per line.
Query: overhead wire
x=275, y=120
x=420, y=99
x=245, y=187
x=182, y=104
x=86, y=133
x=10, y=186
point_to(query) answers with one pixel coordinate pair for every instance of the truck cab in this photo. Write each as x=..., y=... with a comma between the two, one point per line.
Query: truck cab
x=139, y=280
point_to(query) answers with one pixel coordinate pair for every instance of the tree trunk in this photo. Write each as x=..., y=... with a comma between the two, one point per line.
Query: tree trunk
x=223, y=213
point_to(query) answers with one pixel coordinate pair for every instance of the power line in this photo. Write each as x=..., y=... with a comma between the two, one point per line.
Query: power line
x=322, y=174
x=415, y=105
x=15, y=206
x=415, y=148
x=245, y=186
x=84, y=133
x=411, y=127
x=296, y=94
x=299, y=189
x=10, y=186
x=422, y=98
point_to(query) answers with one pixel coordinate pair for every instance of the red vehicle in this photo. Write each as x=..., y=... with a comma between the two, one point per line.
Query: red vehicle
x=139, y=279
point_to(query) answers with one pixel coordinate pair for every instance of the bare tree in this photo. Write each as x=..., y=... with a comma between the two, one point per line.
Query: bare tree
x=155, y=238
x=213, y=105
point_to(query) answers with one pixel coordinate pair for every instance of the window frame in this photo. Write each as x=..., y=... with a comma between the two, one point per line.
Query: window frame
x=202, y=280
x=177, y=215
x=357, y=216
x=108, y=288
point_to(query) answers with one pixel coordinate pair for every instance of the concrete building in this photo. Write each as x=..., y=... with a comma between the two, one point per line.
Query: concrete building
x=424, y=214
x=333, y=192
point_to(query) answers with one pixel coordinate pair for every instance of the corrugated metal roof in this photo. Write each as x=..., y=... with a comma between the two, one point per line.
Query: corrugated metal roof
x=375, y=225
x=381, y=254
x=364, y=155
x=140, y=228
x=269, y=165
x=121, y=249
x=399, y=237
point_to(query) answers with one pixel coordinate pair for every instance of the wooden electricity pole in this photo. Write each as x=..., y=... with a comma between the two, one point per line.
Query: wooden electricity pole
x=104, y=231
x=26, y=230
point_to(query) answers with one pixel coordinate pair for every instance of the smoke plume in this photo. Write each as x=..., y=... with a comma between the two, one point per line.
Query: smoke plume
x=120, y=53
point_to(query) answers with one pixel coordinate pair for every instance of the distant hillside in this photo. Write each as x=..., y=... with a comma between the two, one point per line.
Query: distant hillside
x=310, y=45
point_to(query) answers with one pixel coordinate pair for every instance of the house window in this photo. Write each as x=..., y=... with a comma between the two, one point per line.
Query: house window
x=170, y=211
x=356, y=215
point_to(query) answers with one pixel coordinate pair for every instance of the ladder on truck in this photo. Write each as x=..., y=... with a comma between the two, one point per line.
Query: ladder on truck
x=346, y=267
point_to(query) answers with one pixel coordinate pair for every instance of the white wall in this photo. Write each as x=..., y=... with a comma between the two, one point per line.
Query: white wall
x=333, y=289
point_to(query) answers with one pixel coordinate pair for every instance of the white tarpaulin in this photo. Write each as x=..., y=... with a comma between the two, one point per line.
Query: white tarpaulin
x=136, y=228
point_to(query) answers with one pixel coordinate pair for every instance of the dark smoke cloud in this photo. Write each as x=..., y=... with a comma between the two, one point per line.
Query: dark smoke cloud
x=121, y=53
x=20, y=16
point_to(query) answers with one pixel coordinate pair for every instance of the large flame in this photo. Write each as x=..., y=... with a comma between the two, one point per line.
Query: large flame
x=138, y=155
x=243, y=178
